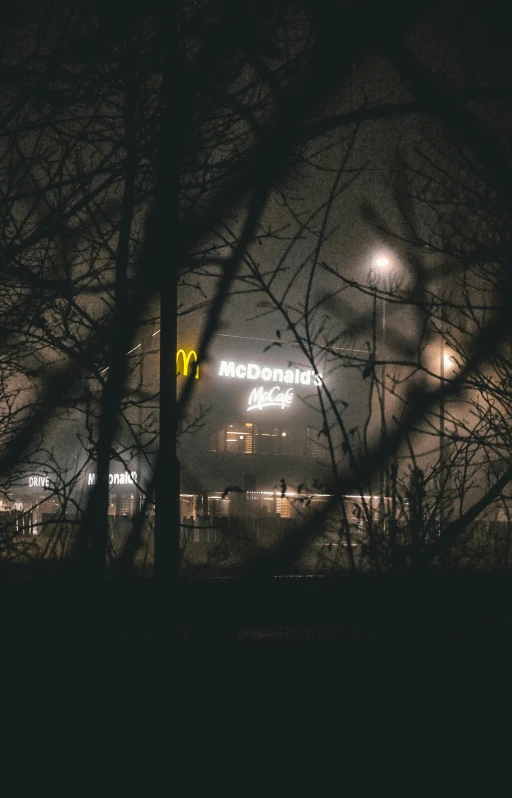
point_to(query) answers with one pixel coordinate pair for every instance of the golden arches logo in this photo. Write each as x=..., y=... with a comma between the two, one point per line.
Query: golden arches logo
x=186, y=362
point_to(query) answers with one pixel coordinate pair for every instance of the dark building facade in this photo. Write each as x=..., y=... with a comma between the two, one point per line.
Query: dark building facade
x=250, y=448
x=258, y=438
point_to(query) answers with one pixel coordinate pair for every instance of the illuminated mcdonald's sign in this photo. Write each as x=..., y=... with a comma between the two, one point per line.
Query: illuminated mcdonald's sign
x=186, y=362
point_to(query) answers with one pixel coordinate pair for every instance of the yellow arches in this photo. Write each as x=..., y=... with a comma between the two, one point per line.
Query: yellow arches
x=186, y=356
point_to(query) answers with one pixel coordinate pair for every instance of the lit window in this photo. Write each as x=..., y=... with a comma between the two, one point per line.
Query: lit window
x=236, y=437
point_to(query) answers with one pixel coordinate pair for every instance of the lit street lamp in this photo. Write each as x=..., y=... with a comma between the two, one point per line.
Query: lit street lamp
x=445, y=362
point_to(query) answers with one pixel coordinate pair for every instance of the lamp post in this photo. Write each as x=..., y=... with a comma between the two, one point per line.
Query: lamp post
x=445, y=361
x=442, y=356
x=441, y=431
x=382, y=263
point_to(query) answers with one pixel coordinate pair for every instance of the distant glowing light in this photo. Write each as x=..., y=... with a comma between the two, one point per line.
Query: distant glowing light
x=382, y=262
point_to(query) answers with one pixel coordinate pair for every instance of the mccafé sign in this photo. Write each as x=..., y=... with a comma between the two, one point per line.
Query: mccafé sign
x=276, y=397
x=263, y=396
x=185, y=358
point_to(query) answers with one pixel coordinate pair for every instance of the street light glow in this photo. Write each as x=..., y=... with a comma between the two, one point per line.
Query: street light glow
x=382, y=262
x=448, y=361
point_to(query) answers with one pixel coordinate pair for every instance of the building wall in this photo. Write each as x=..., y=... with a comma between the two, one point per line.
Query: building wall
x=259, y=430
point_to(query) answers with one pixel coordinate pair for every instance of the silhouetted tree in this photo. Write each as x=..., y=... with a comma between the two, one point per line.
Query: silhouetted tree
x=255, y=100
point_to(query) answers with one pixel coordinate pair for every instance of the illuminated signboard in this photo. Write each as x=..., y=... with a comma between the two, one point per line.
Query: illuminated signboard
x=252, y=371
x=125, y=478
x=186, y=357
x=276, y=397
x=39, y=481
x=264, y=396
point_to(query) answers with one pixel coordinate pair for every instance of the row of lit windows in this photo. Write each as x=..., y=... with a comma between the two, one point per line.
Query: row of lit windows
x=250, y=438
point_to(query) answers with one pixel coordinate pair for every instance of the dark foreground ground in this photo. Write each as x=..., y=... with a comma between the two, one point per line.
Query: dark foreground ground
x=218, y=667
x=126, y=628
